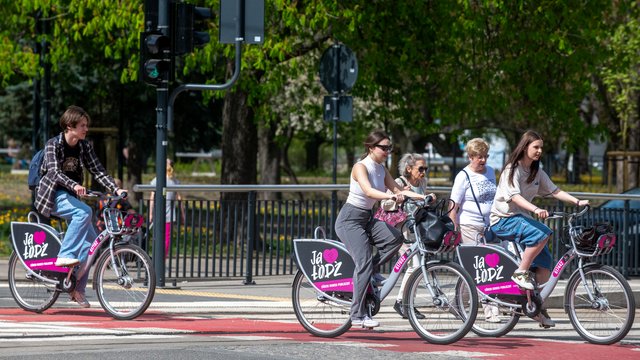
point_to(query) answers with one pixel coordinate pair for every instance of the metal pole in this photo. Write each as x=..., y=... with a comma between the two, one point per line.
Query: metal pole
x=251, y=241
x=161, y=155
x=44, y=55
x=37, y=48
x=626, y=240
x=335, y=100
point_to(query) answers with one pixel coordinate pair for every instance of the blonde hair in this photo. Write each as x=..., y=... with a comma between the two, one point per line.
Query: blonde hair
x=477, y=146
x=170, y=170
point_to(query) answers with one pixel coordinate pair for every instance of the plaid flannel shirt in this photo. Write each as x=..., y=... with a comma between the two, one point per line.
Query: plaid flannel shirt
x=54, y=177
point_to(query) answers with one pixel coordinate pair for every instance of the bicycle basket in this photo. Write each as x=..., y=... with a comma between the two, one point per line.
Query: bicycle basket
x=595, y=240
x=433, y=225
x=121, y=223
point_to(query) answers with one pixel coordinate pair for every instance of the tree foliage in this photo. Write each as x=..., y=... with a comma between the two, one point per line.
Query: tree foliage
x=428, y=71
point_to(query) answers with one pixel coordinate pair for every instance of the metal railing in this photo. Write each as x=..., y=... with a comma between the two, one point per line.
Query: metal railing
x=253, y=237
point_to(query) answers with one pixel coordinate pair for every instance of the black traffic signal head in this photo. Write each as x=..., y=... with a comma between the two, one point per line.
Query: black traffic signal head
x=189, y=27
x=156, y=43
x=155, y=58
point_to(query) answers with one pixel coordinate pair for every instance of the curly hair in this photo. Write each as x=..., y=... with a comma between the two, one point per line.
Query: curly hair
x=408, y=160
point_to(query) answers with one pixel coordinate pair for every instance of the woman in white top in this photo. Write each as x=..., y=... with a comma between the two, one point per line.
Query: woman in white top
x=521, y=181
x=473, y=191
x=356, y=227
x=171, y=211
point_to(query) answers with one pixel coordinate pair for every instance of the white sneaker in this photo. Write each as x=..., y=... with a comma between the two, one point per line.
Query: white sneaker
x=493, y=319
x=365, y=322
x=544, y=319
x=522, y=278
x=66, y=262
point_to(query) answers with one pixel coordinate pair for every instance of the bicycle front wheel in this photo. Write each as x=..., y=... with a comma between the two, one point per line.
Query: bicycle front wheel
x=602, y=307
x=446, y=297
x=31, y=293
x=125, y=284
x=317, y=313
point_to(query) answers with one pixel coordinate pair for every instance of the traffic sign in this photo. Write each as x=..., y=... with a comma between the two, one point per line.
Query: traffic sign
x=338, y=69
x=338, y=108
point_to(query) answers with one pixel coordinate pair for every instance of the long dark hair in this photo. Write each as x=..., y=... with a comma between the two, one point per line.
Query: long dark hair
x=372, y=139
x=520, y=151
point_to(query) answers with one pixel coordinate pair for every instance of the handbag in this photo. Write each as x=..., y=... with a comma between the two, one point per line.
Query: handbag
x=392, y=215
x=392, y=218
x=488, y=234
x=433, y=223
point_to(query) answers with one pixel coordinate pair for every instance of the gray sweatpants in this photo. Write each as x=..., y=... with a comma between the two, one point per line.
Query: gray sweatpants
x=358, y=230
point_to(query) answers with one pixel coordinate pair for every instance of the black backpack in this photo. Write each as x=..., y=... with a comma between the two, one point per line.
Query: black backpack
x=35, y=169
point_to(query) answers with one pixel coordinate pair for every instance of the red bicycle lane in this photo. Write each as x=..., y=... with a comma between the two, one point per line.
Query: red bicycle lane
x=534, y=348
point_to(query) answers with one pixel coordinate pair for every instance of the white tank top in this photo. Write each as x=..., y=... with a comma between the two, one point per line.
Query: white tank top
x=376, y=173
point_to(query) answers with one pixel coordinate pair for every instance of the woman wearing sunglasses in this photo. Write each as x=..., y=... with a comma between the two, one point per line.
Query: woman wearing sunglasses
x=356, y=227
x=413, y=168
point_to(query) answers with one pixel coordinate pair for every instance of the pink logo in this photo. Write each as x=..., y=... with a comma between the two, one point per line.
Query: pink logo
x=39, y=237
x=330, y=255
x=492, y=259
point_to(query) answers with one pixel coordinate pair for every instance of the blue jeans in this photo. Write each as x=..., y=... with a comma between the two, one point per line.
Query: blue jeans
x=527, y=232
x=80, y=232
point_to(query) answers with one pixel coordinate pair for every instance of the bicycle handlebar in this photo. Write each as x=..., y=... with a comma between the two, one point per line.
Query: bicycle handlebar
x=94, y=193
x=558, y=214
x=427, y=200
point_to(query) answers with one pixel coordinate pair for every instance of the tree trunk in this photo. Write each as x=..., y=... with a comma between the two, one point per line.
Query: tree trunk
x=312, y=151
x=239, y=142
x=136, y=163
x=268, y=160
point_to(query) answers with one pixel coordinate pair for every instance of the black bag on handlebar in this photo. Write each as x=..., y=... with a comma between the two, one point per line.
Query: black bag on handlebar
x=433, y=222
x=587, y=239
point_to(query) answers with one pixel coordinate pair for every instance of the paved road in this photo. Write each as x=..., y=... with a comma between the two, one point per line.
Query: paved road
x=227, y=317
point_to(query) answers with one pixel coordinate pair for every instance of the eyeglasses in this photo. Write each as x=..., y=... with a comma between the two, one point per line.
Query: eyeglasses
x=386, y=148
x=423, y=169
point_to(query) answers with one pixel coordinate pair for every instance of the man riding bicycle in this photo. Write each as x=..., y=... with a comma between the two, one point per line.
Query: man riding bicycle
x=66, y=156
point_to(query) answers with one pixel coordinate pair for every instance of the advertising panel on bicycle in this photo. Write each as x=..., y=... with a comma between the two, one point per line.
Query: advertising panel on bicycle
x=491, y=268
x=326, y=263
x=37, y=245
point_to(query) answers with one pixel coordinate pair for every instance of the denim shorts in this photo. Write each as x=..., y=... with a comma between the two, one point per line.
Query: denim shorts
x=527, y=232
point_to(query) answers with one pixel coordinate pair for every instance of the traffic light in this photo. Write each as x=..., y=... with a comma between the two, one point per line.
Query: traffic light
x=189, y=26
x=155, y=57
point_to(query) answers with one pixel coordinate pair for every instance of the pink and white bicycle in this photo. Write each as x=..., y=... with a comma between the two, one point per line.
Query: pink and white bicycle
x=597, y=298
x=124, y=278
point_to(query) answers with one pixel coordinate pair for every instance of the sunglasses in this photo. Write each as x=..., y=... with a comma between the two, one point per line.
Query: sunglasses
x=423, y=169
x=386, y=148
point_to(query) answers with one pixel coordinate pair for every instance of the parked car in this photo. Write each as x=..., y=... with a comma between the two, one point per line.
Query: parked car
x=619, y=204
x=612, y=211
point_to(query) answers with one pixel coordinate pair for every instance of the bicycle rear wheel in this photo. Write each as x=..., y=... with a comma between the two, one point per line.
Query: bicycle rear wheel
x=318, y=314
x=31, y=293
x=609, y=316
x=126, y=285
x=447, y=298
